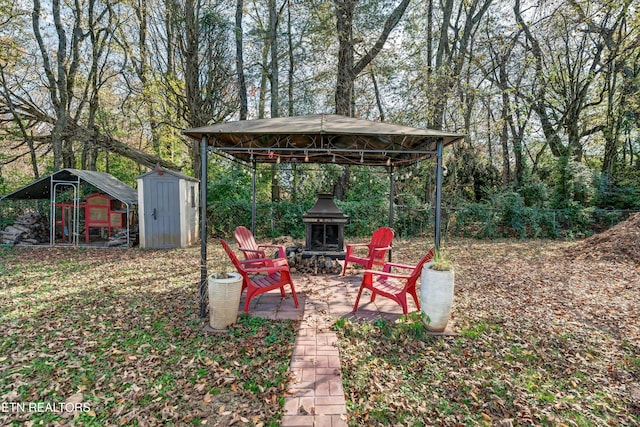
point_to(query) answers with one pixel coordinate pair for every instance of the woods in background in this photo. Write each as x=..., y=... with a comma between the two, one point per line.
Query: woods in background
x=547, y=91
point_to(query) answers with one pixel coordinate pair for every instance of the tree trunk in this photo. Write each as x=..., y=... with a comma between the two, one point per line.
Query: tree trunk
x=505, y=112
x=456, y=36
x=291, y=101
x=61, y=81
x=90, y=150
x=112, y=145
x=345, y=77
x=504, y=142
x=264, y=77
x=348, y=69
x=429, y=38
x=273, y=43
x=275, y=82
x=192, y=82
x=149, y=160
x=612, y=130
x=170, y=11
x=340, y=187
x=242, y=84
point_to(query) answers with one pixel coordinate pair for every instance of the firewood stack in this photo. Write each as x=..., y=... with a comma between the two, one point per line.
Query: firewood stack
x=28, y=229
x=119, y=239
x=316, y=264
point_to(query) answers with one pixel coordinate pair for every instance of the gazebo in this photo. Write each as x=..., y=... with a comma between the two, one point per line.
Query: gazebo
x=321, y=138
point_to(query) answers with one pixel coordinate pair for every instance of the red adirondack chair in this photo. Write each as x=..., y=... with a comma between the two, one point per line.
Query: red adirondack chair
x=251, y=250
x=376, y=249
x=392, y=285
x=269, y=275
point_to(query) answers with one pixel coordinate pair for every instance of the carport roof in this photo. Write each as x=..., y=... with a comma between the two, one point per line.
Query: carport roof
x=41, y=188
x=323, y=138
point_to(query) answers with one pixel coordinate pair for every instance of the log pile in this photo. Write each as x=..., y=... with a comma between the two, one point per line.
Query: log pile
x=28, y=229
x=119, y=239
x=304, y=264
x=316, y=264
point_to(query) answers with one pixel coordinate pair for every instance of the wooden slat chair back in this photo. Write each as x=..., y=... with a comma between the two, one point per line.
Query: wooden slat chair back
x=264, y=277
x=377, y=248
x=394, y=286
x=251, y=250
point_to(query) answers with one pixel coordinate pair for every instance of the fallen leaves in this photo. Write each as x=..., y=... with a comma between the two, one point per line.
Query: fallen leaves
x=545, y=338
x=119, y=330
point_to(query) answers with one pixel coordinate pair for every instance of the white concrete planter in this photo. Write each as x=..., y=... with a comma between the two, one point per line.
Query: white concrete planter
x=224, y=300
x=436, y=297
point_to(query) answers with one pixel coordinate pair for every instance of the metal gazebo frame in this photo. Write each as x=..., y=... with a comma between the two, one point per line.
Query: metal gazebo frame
x=321, y=138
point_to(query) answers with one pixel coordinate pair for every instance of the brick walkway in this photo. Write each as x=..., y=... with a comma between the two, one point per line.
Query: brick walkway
x=316, y=397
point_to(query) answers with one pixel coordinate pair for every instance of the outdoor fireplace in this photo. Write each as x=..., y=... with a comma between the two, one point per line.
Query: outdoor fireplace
x=325, y=228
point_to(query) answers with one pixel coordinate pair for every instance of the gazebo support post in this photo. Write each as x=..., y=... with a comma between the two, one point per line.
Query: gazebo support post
x=203, y=225
x=392, y=196
x=436, y=233
x=253, y=197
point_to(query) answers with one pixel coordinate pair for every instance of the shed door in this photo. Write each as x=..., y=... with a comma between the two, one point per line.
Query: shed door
x=162, y=213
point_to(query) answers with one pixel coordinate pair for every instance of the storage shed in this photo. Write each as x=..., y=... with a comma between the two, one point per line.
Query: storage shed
x=168, y=209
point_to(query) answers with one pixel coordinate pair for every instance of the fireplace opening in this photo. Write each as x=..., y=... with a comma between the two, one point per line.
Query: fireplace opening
x=324, y=237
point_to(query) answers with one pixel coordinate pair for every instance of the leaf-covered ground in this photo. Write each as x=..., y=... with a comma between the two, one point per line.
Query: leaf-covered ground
x=548, y=334
x=118, y=331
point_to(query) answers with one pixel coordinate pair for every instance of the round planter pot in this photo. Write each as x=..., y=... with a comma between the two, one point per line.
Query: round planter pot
x=436, y=297
x=224, y=300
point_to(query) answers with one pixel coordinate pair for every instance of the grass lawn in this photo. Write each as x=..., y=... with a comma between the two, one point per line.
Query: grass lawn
x=117, y=332
x=546, y=336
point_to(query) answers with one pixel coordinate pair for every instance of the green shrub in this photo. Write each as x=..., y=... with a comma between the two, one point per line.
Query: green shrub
x=572, y=183
x=474, y=220
x=365, y=216
x=621, y=194
x=281, y=219
x=507, y=216
x=413, y=220
x=511, y=214
x=534, y=192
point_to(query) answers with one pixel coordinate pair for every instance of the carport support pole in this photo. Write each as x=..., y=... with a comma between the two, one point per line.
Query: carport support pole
x=436, y=232
x=203, y=226
x=52, y=214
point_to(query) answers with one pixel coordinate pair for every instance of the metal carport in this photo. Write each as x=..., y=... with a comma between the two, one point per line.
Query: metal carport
x=45, y=189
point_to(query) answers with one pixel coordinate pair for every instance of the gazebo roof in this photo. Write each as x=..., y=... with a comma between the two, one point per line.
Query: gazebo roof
x=323, y=138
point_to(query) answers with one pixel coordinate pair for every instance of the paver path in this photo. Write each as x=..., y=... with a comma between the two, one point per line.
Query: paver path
x=316, y=397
